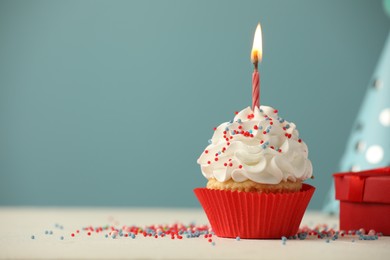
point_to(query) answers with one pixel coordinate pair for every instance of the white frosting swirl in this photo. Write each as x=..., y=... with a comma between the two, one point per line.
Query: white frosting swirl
x=259, y=146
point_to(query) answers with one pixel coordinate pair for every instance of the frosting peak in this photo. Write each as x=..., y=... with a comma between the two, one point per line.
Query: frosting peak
x=257, y=145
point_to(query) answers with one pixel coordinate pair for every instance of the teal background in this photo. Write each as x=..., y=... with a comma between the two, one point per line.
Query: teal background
x=111, y=102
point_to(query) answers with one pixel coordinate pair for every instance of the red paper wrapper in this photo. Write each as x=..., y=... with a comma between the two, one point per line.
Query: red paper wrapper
x=252, y=214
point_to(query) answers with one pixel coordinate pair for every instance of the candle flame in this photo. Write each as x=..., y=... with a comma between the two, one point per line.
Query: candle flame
x=257, y=49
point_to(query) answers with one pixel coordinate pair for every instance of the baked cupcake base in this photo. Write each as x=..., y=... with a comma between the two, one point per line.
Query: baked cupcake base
x=252, y=214
x=251, y=186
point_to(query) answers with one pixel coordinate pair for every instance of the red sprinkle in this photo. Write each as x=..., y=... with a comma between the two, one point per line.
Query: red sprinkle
x=236, y=112
x=299, y=141
x=215, y=128
x=240, y=166
x=255, y=127
x=206, y=151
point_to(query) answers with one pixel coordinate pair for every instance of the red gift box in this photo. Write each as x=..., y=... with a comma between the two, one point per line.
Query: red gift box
x=364, y=199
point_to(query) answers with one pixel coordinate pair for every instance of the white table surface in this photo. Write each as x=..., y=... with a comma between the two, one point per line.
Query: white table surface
x=17, y=225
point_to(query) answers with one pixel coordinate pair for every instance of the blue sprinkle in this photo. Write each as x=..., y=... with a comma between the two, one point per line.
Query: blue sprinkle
x=62, y=238
x=188, y=236
x=353, y=240
x=106, y=235
x=232, y=132
x=133, y=236
x=219, y=153
x=209, y=141
x=231, y=121
x=250, y=131
x=32, y=237
x=227, y=129
x=121, y=234
x=267, y=143
x=327, y=240
x=267, y=130
x=46, y=232
x=284, y=238
x=51, y=232
x=261, y=110
x=239, y=121
x=113, y=236
x=213, y=243
x=238, y=238
x=287, y=127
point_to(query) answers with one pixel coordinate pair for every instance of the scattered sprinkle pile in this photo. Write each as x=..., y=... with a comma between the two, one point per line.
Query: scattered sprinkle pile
x=329, y=234
x=180, y=231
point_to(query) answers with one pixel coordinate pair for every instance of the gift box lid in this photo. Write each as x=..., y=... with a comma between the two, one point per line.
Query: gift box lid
x=371, y=186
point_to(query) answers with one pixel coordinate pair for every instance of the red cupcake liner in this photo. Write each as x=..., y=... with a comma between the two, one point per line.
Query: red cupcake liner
x=252, y=214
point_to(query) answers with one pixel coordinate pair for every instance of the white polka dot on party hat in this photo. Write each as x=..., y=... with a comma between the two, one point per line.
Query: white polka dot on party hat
x=355, y=168
x=360, y=146
x=377, y=84
x=374, y=154
x=384, y=117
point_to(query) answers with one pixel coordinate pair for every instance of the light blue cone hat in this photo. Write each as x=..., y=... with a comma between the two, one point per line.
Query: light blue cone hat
x=369, y=144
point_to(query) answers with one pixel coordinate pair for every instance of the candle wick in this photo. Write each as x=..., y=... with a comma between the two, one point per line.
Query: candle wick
x=256, y=64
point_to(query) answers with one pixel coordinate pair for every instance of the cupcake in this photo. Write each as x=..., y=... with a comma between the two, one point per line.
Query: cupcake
x=255, y=165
